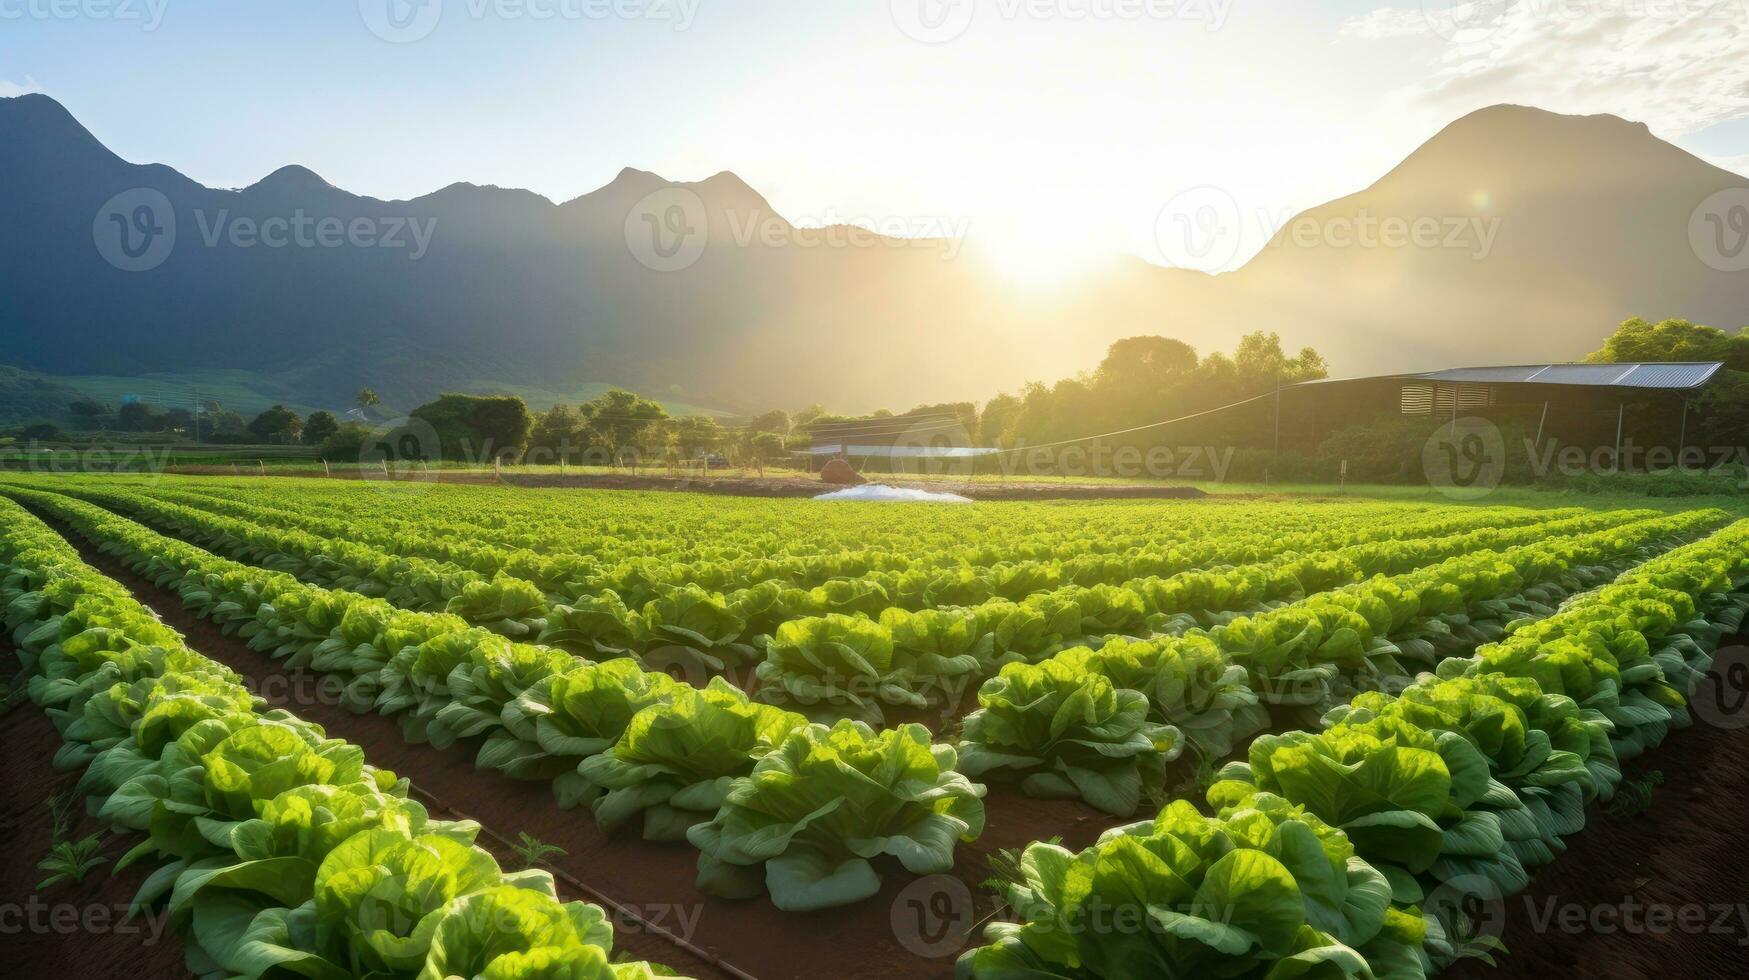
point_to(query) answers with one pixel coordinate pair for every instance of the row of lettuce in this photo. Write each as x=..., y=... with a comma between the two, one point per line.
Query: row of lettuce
x=420, y=556
x=485, y=528
x=772, y=802
x=1366, y=847
x=767, y=797
x=857, y=647
x=277, y=850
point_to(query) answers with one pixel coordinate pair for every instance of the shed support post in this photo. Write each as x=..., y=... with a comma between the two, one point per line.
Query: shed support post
x=1621, y=413
x=1539, y=427
x=1682, y=435
x=1277, y=415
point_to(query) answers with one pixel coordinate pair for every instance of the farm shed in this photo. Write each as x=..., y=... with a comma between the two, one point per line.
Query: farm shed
x=1588, y=405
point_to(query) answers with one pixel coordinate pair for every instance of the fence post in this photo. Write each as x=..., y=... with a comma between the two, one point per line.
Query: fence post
x=325, y=470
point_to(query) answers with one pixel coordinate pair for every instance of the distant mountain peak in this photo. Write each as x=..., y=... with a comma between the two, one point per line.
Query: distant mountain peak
x=292, y=178
x=37, y=117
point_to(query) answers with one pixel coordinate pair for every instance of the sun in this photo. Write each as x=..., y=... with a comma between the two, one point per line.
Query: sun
x=1038, y=260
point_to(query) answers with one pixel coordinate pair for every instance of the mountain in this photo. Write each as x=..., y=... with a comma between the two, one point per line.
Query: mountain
x=26, y=397
x=703, y=292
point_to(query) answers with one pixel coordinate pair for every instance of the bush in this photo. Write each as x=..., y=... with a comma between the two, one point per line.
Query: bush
x=1730, y=479
x=347, y=442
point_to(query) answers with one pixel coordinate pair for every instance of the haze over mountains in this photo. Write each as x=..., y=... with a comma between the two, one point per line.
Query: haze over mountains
x=1550, y=230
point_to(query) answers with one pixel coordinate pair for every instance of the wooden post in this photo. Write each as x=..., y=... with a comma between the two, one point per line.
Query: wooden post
x=325, y=470
x=1682, y=435
x=1342, y=487
x=1277, y=417
x=263, y=467
x=385, y=462
x=1621, y=414
x=1539, y=427
x=498, y=467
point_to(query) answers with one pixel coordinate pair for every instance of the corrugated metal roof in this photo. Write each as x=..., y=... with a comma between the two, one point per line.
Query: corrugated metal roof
x=1676, y=374
x=906, y=452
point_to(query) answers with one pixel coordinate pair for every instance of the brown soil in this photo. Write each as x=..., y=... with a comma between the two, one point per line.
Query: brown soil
x=771, y=486
x=1682, y=853
x=650, y=886
x=1615, y=904
x=66, y=930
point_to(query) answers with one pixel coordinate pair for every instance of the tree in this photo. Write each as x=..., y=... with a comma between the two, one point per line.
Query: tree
x=319, y=428
x=996, y=423
x=367, y=399
x=617, y=417
x=478, y=426
x=139, y=417
x=89, y=413
x=559, y=431
x=1673, y=340
x=808, y=416
x=222, y=421
x=964, y=413
x=348, y=441
x=41, y=432
x=1261, y=363
x=278, y=425
x=776, y=420
x=766, y=446
x=653, y=441
x=696, y=435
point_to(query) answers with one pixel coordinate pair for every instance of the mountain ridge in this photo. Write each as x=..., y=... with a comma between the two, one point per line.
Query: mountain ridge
x=1586, y=220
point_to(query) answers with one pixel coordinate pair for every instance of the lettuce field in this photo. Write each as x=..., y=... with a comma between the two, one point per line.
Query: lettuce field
x=345, y=729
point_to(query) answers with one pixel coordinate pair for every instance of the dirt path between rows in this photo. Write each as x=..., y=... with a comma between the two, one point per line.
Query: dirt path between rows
x=1659, y=894
x=1683, y=853
x=912, y=929
x=67, y=930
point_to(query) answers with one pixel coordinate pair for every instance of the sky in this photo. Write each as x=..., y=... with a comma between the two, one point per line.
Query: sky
x=1045, y=127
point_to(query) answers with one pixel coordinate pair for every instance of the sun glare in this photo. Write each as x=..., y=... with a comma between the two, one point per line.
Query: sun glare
x=1037, y=260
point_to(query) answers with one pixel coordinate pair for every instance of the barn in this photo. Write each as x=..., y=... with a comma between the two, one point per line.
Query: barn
x=1587, y=405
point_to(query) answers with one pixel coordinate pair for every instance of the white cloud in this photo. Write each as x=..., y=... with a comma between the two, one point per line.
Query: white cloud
x=10, y=89
x=1386, y=22
x=1677, y=65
